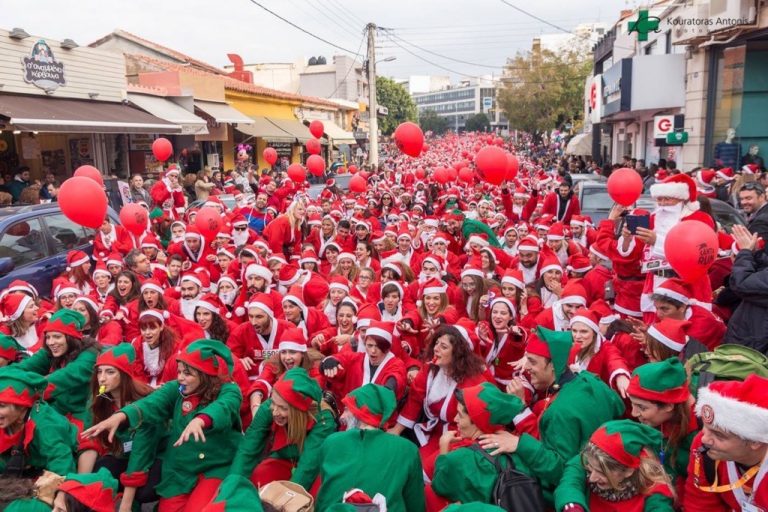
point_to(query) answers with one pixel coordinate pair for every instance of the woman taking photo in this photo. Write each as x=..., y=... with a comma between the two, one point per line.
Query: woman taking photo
x=284, y=440
x=618, y=471
x=202, y=407
x=453, y=365
x=502, y=341
x=113, y=387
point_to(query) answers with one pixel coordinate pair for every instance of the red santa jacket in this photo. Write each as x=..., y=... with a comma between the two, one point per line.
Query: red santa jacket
x=103, y=246
x=167, y=199
x=552, y=207
x=355, y=371
x=245, y=342
x=282, y=238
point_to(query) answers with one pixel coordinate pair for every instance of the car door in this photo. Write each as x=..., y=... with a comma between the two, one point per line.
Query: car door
x=24, y=241
x=62, y=236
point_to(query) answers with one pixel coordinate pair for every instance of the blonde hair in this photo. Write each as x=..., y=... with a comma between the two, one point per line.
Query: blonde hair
x=650, y=472
x=298, y=422
x=289, y=212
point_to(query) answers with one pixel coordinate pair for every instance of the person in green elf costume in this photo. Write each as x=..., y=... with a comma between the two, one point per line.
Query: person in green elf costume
x=472, y=507
x=462, y=473
x=568, y=408
x=47, y=438
x=459, y=224
x=203, y=407
x=66, y=362
x=10, y=350
x=284, y=440
x=367, y=458
x=661, y=398
x=236, y=494
x=114, y=385
x=93, y=492
x=617, y=471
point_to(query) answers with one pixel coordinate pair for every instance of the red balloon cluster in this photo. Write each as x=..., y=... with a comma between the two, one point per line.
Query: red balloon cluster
x=625, y=186
x=208, y=221
x=134, y=218
x=83, y=201
x=313, y=146
x=691, y=248
x=409, y=139
x=162, y=149
x=89, y=171
x=352, y=169
x=296, y=173
x=491, y=161
x=316, y=165
x=270, y=155
x=441, y=175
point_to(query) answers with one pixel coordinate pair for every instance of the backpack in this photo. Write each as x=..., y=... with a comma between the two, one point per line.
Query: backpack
x=726, y=362
x=514, y=491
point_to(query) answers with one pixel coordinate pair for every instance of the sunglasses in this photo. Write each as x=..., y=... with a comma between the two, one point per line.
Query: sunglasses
x=753, y=185
x=241, y=229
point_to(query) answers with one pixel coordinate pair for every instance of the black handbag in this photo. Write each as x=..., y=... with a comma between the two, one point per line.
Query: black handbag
x=514, y=491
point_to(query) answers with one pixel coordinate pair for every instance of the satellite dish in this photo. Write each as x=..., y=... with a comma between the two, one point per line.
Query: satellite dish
x=313, y=61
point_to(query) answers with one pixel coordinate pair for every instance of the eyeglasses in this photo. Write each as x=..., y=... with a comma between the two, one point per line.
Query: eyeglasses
x=753, y=185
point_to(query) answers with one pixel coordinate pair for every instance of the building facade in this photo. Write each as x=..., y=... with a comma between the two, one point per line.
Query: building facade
x=459, y=103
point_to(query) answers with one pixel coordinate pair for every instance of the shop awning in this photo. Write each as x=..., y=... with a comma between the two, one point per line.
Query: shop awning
x=40, y=114
x=580, y=144
x=294, y=127
x=265, y=129
x=338, y=134
x=170, y=111
x=222, y=112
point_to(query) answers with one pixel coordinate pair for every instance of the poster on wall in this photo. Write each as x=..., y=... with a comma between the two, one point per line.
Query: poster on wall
x=142, y=141
x=30, y=148
x=80, y=152
x=54, y=161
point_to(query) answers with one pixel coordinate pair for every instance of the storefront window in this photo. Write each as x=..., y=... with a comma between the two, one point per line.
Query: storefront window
x=729, y=94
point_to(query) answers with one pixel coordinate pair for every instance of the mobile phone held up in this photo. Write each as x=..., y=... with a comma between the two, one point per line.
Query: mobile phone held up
x=637, y=221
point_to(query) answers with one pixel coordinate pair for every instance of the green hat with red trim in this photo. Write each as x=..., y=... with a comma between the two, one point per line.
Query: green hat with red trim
x=664, y=381
x=97, y=491
x=489, y=408
x=474, y=506
x=554, y=345
x=236, y=494
x=298, y=389
x=372, y=404
x=122, y=357
x=66, y=321
x=211, y=357
x=625, y=441
x=20, y=387
x=9, y=347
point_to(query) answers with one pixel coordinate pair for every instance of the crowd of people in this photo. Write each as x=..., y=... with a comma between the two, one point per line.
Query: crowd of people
x=406, y=348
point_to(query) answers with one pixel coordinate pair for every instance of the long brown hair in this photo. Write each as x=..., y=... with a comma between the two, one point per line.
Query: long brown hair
x=74, y=348
x=298, y=423
x=210, y=385
x=102, y=407
x=465, y=362
x=135, y=287
x=168, y=337
x=680, y=421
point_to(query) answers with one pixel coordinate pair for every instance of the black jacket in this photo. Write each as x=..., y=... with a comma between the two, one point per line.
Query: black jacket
x=749, y=280
x=759, y=223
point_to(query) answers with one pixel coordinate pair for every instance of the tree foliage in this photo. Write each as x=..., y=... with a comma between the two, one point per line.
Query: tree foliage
x=431, y=122
x=395, y=97
x=478, y=123
x=542, y=90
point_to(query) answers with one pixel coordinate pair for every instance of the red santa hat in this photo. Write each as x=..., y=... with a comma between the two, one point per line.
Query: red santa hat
x=520, y=193
x=309, y=256
x=437, y=260
x=152, y=284
x=289, y=274
x=473, y=269
x=172, y=170
x=150, y=242
x=293, y=339
x=339, y=283
x=573, y=293
x=556, y=231
x=211, y=302
x=101, y=268
x=18, y=285
x=367, y=314
x=433, y=286
x=670, y=332
x=227, y=250
x=156, y=314
x=13, y=305
x=254, y=269
x=588, y=318
x=261, y=301
x=750, y=169
x=604, y=312
x=705, y=176
x=295, y=296
x=201, y=279
x=740, y=408
x=578, y=263
x=381, y=330
x=726, y=173
x=678, y=186
x=601, y=248
x=76, y=259
x=513, y=276
x=441, y=237
x=674, y=289
x=115, y=258
x=529, y=243
x=577, y=220
x=549, y=262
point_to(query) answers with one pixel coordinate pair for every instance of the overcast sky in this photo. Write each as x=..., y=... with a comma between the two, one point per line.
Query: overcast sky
x=475, y=31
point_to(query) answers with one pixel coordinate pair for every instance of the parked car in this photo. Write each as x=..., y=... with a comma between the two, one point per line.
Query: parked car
x=595, y=202
x=34, y=241
x=342, y=181
x=227, y=199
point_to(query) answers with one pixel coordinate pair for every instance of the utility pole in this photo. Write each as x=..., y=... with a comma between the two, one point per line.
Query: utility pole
x=373, y=121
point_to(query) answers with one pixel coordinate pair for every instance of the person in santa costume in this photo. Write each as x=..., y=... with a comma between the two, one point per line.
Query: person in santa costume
x=528, y=259
x=107, y=334
x=463, y=472
x=285, y=438
x=566, y=410
x=286, y=233
x=314, y=288
x=109, y=238
x=729, y=457
x=202, y=408
x=502, y=341
x=562, y=204
x=558, y=244
x=21, y=320
x=357, y=458
x=667, y=338
x=194, y=250
x=168, y=194
x=661, y=398
x=558, y=316
x=618, y=471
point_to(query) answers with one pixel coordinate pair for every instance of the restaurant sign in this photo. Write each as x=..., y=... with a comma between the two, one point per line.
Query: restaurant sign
x=41, y=68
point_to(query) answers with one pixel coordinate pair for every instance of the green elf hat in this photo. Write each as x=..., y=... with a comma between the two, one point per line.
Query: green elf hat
x=372, y=404
x=155, y=213
x=211, y=357
x=665, y=382
x=122, y=357
x=298, y=389
x=20, y=387
x=626, y=441
x=236, y=494
x=9, y=347
x=490, y=408
x=66, y=321
x=97, y=491
x=474, y=506
x=554, y=345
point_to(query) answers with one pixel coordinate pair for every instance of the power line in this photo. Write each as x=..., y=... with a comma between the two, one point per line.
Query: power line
x=443, y=56
x=355, y=21
x=344, y=28
x=537, y=18
x=273, y=13
x=354, y=63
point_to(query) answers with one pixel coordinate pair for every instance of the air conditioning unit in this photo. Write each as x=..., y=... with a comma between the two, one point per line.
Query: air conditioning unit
x=727, y=14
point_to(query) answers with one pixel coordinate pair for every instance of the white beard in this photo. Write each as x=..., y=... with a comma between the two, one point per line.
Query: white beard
x=188, y=308
x=665, y=218
x=239, y=237
x=179, y=238
x=228, y=298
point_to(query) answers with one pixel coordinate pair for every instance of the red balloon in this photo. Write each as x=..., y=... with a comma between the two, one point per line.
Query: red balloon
x=691, y=248
x=316, y=128
x=409, y=138
x=316, y=165
x=451, y=174
x=513, y=165
x=624, y=186
x=270, y=155
x=352, y=169
x=83, y=201
x=313, y=147
x=358, y=184
x=162, y=149
x=208, y=221
x=134, y=218
x=296, y=173
x=89, y=171
x=466, y=174
x=425, y=148
x=491, y=161
x=440, y=175
x=421, y=173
